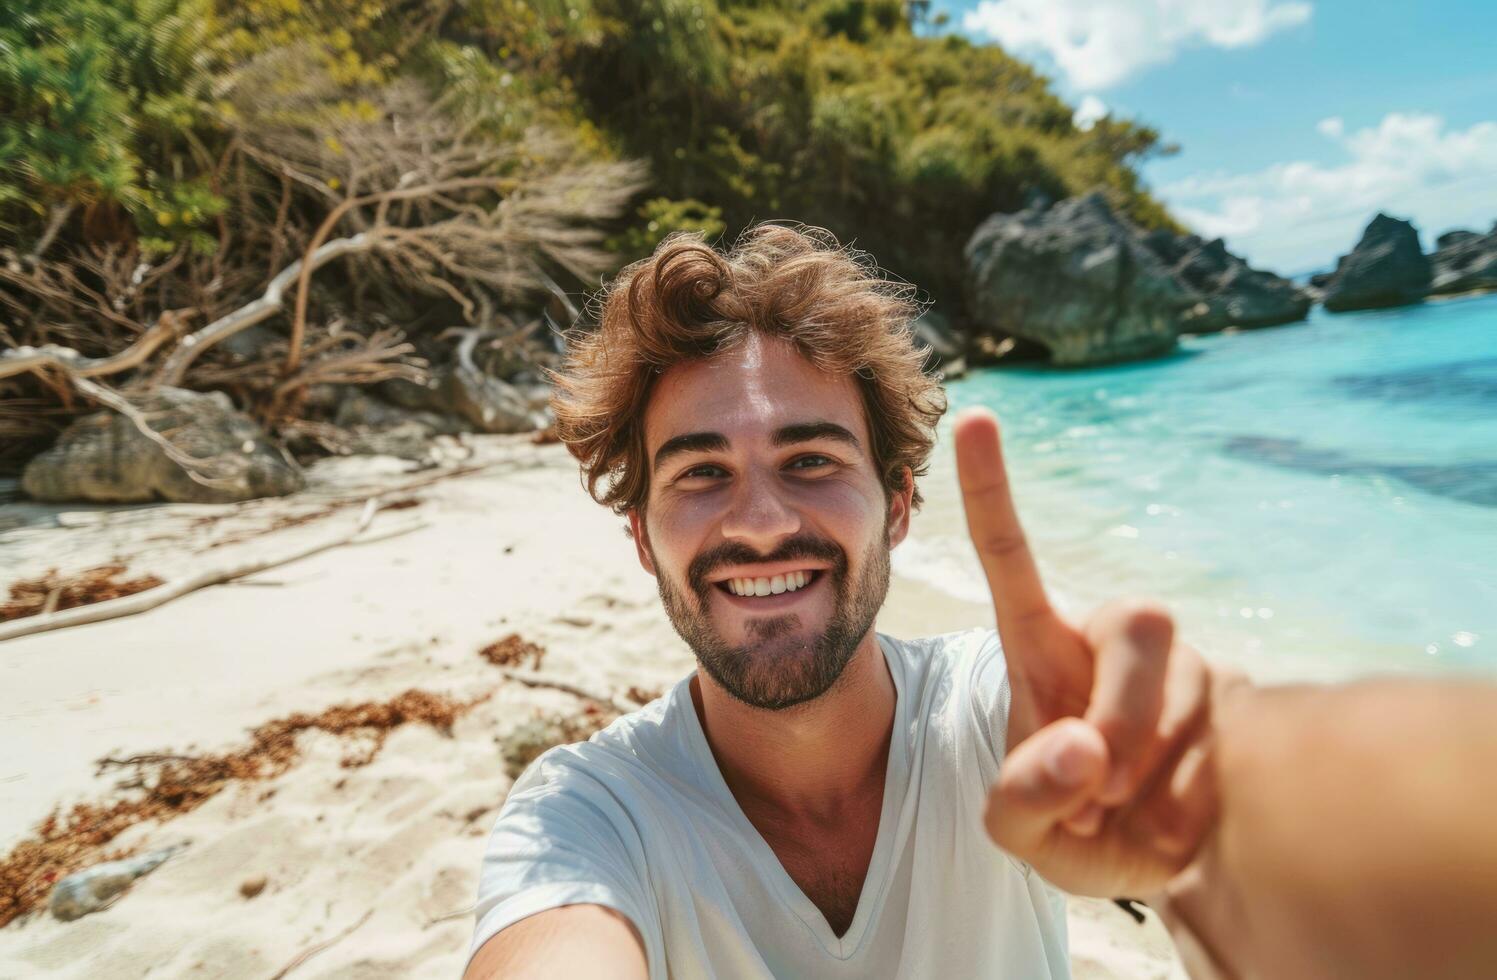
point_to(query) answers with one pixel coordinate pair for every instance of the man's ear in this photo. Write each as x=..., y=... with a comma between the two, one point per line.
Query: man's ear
x=641, y=539
x=900, y=504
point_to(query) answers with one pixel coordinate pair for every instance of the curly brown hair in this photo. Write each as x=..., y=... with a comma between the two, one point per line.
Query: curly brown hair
x=689, y=301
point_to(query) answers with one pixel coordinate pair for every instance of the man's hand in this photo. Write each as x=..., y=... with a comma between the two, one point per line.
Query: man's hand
x=1107, y=787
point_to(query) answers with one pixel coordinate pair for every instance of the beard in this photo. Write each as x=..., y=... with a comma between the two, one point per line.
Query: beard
x=780, y=666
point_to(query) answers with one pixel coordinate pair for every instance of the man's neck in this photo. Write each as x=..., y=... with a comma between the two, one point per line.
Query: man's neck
x=809, y=759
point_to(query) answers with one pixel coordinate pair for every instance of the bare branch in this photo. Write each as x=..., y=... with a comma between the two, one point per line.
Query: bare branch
x=268, y=305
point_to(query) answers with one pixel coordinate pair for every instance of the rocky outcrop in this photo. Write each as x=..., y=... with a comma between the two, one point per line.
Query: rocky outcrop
x=104, y=458
x=1075, y=278
x=1387, y=268
x=1233, y=294
x=1464, y=261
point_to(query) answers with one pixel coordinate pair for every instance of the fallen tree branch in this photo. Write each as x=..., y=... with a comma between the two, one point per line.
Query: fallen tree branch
x=22, y=359
x=267, y=306
x=151, y=598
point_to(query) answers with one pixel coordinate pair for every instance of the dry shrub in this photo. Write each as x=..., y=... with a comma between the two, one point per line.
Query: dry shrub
x=99, y=584
x=171, y=785
x=512, y=650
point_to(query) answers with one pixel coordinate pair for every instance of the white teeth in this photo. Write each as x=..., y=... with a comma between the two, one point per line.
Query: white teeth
x=769, y=586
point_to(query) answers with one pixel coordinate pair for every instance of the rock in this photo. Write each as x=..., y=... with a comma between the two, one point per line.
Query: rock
x=250, y=887
x=1464, y=262
x=1234, y=294
x=358, y=408
x=1075, y=278
x=103, y=458
x=946, y=348
x=482, y=401
x=489, y=404
x=1387, y=268
x=96, y=888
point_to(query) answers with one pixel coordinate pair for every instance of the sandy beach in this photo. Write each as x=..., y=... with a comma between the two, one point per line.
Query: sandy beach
x=331, y=869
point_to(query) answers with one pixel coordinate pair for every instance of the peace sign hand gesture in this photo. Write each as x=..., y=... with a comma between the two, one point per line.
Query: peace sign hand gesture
x=1107, y=787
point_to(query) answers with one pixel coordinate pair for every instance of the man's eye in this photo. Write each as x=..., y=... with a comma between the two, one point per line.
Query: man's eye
x=811, y=462
x=706, y=469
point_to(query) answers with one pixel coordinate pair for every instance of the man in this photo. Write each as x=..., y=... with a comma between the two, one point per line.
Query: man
x=810, y=802
x=820, y=800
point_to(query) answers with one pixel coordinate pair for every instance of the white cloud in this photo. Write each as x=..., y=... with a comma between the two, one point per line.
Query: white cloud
x=1301, y=215
x=1097, y=43
x=1089, y=111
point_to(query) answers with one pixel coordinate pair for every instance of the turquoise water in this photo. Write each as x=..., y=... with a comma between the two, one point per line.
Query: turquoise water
x=1316, y=501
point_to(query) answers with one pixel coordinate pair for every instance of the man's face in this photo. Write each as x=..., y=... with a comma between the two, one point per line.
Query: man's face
x=761, y=479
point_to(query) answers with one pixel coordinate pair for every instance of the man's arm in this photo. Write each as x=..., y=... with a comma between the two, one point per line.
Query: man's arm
x=1356, y=836
x=571, y=941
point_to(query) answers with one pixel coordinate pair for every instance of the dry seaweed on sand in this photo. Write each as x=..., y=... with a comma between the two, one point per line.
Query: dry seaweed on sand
x=50, y=592
x=164, y=786
x=512, y=650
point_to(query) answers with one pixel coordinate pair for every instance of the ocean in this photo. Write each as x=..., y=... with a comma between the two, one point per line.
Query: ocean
x=1316, y=501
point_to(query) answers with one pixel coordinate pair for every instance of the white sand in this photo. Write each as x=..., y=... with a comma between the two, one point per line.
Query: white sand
x=393, y=847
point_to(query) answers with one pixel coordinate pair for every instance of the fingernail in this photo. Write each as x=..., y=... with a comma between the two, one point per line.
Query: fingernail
x=1067, y=764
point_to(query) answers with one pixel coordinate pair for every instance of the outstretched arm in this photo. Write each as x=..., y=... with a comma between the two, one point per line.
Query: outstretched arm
x=1356, y=837
x=570, y=941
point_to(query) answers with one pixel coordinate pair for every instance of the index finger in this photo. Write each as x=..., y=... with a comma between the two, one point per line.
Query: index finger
x=993, y=522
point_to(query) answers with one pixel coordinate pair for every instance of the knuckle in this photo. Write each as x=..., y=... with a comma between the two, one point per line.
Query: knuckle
x=1146, y=623
x=1003, y=543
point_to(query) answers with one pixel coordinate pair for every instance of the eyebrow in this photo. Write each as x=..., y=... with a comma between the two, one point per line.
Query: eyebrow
x=716, y=442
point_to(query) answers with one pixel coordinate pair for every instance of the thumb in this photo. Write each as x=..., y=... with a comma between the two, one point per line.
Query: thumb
x=1048, y=778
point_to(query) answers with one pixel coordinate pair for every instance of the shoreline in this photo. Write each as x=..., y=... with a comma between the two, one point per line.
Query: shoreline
x=389, y=849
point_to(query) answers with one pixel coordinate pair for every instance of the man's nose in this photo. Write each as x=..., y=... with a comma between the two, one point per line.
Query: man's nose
x=758, y=515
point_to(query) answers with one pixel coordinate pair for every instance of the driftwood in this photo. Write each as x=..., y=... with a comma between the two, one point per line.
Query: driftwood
x=65, y=359
x=268, y=305
x=151, y=598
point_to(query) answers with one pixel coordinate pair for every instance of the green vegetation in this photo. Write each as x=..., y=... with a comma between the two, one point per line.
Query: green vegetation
x=197, y=146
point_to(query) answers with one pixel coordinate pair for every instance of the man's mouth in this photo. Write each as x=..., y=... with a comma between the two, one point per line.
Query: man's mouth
x=753, y=587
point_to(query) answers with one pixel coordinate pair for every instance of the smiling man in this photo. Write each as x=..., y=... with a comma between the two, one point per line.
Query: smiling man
x=819, y=799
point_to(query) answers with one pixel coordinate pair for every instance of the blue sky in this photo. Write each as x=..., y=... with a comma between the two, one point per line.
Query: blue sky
x=1297, y=119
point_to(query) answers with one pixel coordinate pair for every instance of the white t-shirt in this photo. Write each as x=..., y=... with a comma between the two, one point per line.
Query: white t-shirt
x=639, y=819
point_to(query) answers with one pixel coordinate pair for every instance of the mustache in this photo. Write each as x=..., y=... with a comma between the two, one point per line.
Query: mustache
x=736, y=553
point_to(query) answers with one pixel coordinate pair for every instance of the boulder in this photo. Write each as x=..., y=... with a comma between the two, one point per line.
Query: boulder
x=104, y=458
x=482, y=401
x=1075, y=278
x=357, y=408
x=1233, y=294
x=1387, y=268
x=1464, y=262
